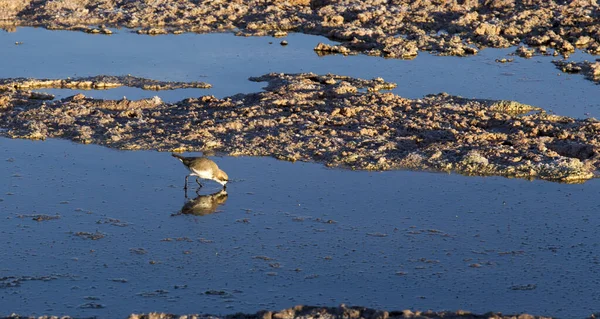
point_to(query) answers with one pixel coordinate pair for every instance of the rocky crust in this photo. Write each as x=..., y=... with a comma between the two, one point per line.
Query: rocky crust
x=341, y=312
x=332, y=119
x=591, y=70
x=101, y=82
x=396, y=29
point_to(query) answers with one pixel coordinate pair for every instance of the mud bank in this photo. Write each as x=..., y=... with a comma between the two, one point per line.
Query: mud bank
x=395, y=29
x=336, y=120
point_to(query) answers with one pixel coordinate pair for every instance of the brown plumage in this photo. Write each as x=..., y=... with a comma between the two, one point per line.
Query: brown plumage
x=202, y=167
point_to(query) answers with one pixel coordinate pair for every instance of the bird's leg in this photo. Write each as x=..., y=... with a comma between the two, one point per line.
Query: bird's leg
x=186, y=182
x=198, y=181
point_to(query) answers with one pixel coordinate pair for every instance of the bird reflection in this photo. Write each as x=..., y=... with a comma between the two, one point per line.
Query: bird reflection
x=204, y=204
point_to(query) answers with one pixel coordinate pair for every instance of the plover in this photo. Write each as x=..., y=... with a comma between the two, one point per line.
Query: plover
x=204, y=168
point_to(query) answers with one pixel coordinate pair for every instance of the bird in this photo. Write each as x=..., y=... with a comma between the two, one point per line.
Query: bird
x=203, y=167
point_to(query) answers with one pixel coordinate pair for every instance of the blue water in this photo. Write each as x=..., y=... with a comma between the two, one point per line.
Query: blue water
x=227, y=61
x=287, y=233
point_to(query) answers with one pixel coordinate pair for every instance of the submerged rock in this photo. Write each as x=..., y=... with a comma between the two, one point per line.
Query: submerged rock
x=336, y=120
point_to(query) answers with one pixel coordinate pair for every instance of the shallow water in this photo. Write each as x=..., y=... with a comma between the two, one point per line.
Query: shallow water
x=227, y=61
x=287, y=234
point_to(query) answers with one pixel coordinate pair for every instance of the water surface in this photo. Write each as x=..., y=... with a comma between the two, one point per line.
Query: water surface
x=227, y=61
x=288, y=233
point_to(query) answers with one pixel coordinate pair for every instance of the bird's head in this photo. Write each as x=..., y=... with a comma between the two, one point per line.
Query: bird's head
x=222, y=178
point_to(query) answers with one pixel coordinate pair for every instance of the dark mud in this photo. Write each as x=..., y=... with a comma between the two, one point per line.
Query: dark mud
x=336, y=120
x=395, y=29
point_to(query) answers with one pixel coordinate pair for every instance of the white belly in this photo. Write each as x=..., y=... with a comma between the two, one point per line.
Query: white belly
x=202, y=174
